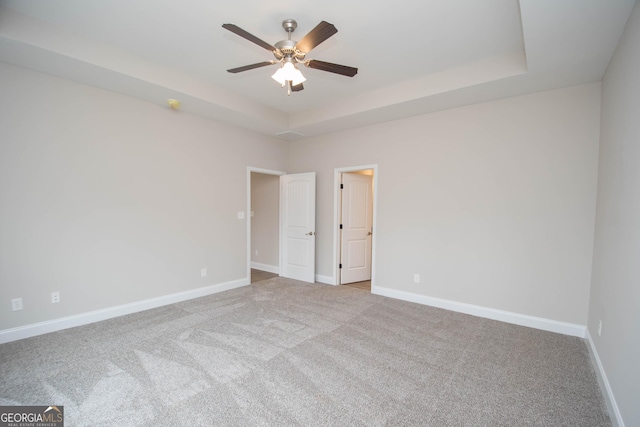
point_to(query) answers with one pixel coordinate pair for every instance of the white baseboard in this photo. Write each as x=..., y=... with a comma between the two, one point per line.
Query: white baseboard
x=27, y=331
x=266, y=267
x=327, y=280
x=488, y=313
x=614, y=411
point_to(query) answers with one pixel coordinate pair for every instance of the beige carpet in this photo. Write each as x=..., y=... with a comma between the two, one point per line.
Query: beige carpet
x=286, y=353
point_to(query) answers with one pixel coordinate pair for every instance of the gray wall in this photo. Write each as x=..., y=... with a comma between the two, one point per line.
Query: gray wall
x=111, y=200
x=615, y=288
x=492, y=204
x=265, y=200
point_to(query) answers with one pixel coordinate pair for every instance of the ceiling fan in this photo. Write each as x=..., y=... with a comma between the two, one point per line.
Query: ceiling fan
x=289, y=53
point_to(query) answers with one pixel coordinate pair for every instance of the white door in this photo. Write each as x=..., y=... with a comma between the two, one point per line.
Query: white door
x=298, y=210
x=357, y=222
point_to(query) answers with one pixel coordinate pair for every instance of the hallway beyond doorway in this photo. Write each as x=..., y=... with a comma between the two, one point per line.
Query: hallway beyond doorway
x=259, y=275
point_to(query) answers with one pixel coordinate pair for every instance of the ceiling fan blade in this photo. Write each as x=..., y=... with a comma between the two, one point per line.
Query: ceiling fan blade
x=320, y=33
x=297, y=88
x=332, y=68
x=242, y=33
x=251, y=66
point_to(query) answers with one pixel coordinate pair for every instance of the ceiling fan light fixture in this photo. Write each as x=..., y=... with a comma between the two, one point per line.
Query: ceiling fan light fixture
x=289, y=53
x=288, y=72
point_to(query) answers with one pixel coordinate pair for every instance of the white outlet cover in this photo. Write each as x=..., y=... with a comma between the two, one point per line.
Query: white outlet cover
x=240, y=214
x=203, y=272
x=16, y=304
x=416, y=278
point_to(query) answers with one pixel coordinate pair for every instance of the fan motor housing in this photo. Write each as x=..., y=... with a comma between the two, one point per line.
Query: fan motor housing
x=288, y=48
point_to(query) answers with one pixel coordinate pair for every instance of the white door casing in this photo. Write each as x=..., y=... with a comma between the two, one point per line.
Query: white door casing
x=250, y=170
x=298, y=217
x=357, y=227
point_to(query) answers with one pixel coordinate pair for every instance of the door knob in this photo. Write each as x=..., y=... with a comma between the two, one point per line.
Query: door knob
x=311, y=233
x=369, y=233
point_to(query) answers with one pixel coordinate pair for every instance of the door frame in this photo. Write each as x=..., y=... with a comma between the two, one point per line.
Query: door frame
x=251, y=169
x=336, y=219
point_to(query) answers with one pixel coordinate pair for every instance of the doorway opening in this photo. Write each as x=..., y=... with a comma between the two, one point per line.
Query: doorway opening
x=263, y=224
x=355, y=224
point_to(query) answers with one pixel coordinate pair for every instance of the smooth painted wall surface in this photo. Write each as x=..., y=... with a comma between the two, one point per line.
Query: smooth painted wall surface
x=265, y=200
x=615, y=288
x=492, y=204
x=111, y=200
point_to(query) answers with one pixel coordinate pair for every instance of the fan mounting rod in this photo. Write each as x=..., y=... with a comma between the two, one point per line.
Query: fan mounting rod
x=287, y=48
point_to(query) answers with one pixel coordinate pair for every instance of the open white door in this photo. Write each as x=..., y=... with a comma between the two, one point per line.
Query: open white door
x=357, y=222
x=298, y=239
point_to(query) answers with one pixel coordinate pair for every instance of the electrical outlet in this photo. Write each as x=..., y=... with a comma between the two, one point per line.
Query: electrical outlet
x=416, y=278
x=256, y=252
x=600, y=328
x=55, y=297
x=16, y=304
x=203, y=272
x=240, y=214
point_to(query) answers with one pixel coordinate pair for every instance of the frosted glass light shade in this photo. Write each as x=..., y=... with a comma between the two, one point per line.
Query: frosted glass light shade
x=288, y=72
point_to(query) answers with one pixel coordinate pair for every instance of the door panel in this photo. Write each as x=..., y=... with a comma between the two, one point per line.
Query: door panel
x=298, y=205
x=357, y=221
x=356, y=254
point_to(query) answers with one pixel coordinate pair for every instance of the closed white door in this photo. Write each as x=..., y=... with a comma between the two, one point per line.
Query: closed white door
x=357, y=222
x=298, y=239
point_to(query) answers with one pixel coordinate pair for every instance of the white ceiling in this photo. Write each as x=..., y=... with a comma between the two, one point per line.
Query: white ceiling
x=413, y=57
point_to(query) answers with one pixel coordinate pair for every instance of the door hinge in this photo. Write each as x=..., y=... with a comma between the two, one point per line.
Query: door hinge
x=340, y=265
x=340, y=226
x=342, y=186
